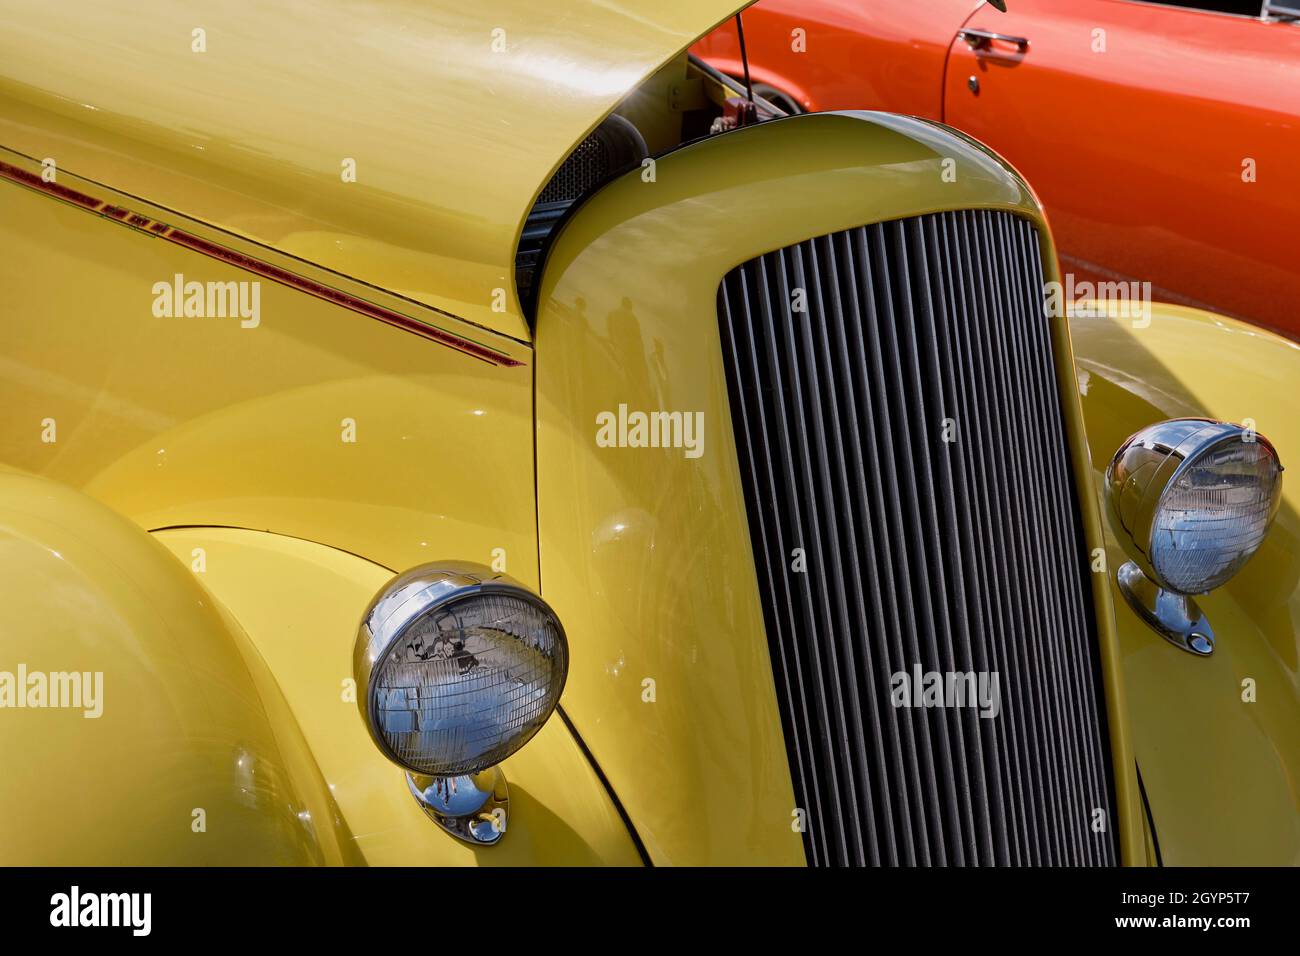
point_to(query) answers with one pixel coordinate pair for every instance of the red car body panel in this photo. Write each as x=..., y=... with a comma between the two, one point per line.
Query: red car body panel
x=855, y=54
x=1163, y=142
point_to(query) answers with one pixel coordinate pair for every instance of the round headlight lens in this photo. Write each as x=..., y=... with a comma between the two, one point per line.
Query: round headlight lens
x=461, y=667
x=1191, y=500
x=1214, y=514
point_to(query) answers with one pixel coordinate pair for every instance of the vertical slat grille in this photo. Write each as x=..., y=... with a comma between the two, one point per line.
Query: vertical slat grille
x=907, y=478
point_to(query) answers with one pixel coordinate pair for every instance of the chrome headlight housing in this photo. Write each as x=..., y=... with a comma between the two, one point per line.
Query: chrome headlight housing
x=1191, y=500
x=457, y=667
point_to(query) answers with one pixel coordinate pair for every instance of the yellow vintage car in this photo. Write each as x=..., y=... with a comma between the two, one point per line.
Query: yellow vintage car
x=483, y=434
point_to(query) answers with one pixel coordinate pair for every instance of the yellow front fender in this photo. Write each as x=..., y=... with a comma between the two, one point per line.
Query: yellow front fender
x=154, y=712
x=138, y=725
x=300, y=603
x=1218, y=738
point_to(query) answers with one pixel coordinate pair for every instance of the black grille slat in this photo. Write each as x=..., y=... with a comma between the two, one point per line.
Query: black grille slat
x=758, y=477
x=1013, y=581
x=829, y=769
x=820, y=527
x=830, y=447
x=935, y=301
x=1080, y=673
x=903, y=763
x=1002, y=749
x=922, y=534
x=964, y=557
x=924, y=821
x=954, y=616
x=807, y=772
x=1010, y=393
x=998, y=543
x=1067, y=792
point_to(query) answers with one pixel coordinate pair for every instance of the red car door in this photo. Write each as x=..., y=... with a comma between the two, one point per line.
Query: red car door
x=1164, y=141
x=844, y=54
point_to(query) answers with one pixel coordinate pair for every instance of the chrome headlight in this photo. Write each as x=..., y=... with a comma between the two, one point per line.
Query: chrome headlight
x=457, y=667
x=1191, y=500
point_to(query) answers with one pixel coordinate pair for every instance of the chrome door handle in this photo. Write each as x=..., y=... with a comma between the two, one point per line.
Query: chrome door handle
x=984, y=39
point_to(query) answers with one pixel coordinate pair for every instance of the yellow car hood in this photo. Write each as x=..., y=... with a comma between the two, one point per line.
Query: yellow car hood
x=250, y=117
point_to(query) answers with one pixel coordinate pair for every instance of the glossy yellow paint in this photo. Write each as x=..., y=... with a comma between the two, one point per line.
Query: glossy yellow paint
x=304, y=626
x=179, y=421
x=194, y=758
x=1222, y=774
x=645, y=553
x=252, y=133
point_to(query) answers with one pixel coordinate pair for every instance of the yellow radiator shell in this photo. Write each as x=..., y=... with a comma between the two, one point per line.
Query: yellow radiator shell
x=646, y=553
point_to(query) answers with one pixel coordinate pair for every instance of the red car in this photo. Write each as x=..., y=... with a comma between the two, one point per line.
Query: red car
x=1163, y=138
